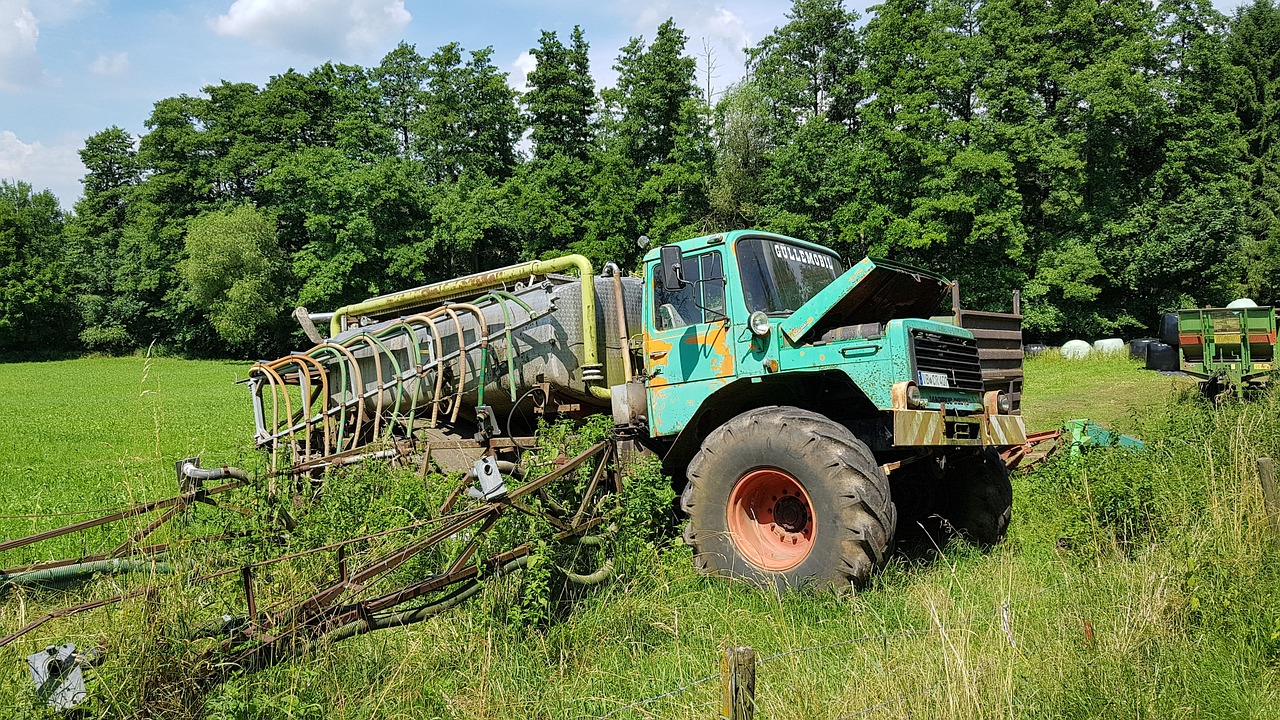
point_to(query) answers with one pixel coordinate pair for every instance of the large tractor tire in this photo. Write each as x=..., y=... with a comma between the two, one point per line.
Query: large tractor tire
x=976, y=498
x=784, y=497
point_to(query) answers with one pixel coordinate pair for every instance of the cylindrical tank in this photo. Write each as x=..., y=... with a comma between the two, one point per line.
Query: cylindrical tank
x=541, y=320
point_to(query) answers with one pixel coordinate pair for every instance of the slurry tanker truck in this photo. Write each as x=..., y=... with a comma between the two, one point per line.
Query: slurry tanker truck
x=808, y=413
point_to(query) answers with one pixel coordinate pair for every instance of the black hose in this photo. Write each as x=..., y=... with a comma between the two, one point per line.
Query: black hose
x=512, y=412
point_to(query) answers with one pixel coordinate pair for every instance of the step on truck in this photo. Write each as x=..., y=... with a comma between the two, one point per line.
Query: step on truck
x=809, y=414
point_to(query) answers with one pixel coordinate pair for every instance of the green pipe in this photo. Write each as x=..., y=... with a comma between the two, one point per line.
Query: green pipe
x=83, y=571
x=506, y=331
x=494, y=278
x=408, y=617
x=595, y=578
x=342, y=414
x=416, y=351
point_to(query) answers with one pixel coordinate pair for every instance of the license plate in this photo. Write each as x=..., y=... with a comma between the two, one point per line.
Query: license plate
x=934, y=379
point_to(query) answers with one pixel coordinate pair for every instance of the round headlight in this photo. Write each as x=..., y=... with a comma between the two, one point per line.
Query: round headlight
x=759, y=323
x=914, y=399
x=1004, y=403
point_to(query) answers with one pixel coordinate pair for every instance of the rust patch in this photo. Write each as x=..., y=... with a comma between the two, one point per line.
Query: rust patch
x=722, y=363
x=657, y=355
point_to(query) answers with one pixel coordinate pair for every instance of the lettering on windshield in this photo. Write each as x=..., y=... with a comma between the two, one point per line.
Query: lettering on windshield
x=778, y=277
x=800, y=255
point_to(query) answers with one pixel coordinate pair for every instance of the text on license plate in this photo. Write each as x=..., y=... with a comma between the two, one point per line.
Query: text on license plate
x=934, y=379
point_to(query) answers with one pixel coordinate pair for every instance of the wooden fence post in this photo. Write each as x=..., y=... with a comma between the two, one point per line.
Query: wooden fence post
x=738, y=681
x=1270, y=500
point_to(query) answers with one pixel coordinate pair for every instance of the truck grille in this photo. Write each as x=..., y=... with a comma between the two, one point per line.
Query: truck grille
x=954, y=357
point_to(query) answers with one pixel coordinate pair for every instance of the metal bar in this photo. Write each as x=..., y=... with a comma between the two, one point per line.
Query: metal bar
x=467, y=552
x=560, y=524
x=357, y=582
x=113, y=517
x=409, y=592
x=324, y=597
x=51, y=564
x=73, y=610
x=246, y=576
x=165, y=517
x=332, y=546
x=591, y=487
x=399, y=557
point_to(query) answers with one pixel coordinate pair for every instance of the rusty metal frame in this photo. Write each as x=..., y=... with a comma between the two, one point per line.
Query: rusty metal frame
x=269, y=635
x=272, y=636
x=180, y=501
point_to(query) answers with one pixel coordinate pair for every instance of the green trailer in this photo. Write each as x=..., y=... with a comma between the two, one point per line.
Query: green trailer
x=1227, y=348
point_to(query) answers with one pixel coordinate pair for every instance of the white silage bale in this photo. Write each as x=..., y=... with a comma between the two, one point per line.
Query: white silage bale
x=1108, y=346
x=1075, y=350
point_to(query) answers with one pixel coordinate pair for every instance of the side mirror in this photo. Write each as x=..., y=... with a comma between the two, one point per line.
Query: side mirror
x=672, y=277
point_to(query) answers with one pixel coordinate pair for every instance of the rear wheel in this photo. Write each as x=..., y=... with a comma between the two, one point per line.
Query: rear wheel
x=786, y=497
x=977, y=497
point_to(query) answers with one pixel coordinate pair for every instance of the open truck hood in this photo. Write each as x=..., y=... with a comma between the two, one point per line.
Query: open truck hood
x=873, y=291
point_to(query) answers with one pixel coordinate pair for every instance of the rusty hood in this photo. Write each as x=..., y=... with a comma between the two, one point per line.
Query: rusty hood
x=873, y=291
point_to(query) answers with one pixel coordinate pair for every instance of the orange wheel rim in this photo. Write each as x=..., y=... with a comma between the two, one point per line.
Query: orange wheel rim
x=771, y=519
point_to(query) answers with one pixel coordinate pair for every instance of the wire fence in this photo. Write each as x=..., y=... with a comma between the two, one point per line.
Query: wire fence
x=1001, y=615
x=884, y=637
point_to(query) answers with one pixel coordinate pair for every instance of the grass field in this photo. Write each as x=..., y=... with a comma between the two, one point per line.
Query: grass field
x=100, y=432
x=1131, y=586
x=1111, y=390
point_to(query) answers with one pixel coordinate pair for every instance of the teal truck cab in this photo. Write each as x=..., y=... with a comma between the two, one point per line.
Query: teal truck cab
x=811, y=413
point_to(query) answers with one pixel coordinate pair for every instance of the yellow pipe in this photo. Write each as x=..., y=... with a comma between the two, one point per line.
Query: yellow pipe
x=494, y=278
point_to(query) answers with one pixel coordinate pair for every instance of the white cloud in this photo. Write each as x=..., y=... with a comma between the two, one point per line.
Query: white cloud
x=320, y=28
x=523, y=65
x=56, y=12
x=19, y=33
x=110, y=64
x=57, y=168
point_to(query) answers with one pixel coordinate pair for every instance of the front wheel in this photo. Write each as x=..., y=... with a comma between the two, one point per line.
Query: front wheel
x=786, y=497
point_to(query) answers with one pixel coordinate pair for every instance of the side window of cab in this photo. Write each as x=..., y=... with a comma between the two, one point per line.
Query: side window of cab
x=700, y=300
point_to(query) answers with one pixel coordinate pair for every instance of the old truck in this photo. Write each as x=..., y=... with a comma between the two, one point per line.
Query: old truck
x=1231, y=348
x=809, y=414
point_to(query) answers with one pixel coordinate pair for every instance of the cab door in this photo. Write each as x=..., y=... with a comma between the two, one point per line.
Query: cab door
x=688, y=347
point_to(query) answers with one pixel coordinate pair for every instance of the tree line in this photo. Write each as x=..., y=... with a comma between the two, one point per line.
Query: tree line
x=1112, y=160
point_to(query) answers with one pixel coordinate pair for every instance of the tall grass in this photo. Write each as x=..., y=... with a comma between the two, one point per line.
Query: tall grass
x=1131, y=585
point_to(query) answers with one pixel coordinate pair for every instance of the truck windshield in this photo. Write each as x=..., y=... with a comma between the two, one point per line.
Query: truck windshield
x=779, y=277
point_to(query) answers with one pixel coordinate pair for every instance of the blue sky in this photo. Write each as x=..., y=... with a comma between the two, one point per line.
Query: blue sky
x=69, y=68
